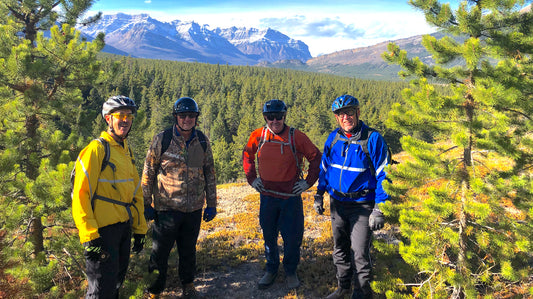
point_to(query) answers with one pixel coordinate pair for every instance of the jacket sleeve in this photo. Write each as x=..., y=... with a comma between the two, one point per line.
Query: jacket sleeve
x=88, y=167
x=150, y=169
x=248, y=157
x=210, y=178
x=324, y=164
x=139, y=222
x=379, y=155
x=305, y=146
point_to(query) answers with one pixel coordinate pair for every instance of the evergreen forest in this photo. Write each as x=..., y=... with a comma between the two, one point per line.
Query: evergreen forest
x=460, y=217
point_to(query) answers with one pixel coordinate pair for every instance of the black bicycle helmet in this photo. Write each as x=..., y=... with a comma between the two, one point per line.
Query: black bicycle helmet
x=118, y=102
x=185, y=104
x=344, y=101
x=273, y=106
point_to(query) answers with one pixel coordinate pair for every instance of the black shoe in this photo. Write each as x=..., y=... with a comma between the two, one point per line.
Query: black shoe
x=267, y=280
x=189, y=291
x=360, y=294
x=157, y=287
x=293, y=282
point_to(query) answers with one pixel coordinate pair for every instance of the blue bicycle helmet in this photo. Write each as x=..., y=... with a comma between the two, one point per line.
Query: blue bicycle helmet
x=274, y=106
x=344, y=101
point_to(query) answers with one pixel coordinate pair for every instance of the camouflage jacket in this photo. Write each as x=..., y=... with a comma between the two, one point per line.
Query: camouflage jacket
x=181, y=179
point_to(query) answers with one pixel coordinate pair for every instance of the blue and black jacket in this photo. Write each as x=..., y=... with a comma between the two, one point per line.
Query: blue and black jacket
x=345, y=170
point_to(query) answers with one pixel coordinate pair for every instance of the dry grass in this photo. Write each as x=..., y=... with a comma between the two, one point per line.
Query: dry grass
x=230, y=250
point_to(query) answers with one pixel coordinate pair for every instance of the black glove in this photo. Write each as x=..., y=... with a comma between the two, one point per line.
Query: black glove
x=376, y=219
x=94, y=251
x=319, y=204
x=149, y=212
x=300, y=187
x=258, y=185
x=209, y=214
x=138, y=243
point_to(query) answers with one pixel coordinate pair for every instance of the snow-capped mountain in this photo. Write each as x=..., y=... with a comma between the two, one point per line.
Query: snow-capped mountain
x=269, y=44
x=144, y=37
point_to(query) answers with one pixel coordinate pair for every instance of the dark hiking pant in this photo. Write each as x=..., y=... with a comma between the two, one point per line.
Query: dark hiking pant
x=352, y=240
x=283, y=216
x=180, y=228
x=106, y=277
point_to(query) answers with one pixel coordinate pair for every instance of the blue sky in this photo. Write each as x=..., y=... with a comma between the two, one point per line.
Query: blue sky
x=325, y=26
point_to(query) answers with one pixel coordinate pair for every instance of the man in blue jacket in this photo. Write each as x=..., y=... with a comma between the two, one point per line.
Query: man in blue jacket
x=352, y=172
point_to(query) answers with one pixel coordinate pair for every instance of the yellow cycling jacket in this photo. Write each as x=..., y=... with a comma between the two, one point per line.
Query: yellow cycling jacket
x=122, y=185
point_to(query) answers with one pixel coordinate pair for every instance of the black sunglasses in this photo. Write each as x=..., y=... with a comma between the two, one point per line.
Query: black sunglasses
x=276, y=116
x=188, y=114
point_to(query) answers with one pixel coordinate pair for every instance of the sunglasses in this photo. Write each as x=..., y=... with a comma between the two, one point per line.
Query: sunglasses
x=347, y=112
x=123, y=117
x=189, y=115
x=276, y=116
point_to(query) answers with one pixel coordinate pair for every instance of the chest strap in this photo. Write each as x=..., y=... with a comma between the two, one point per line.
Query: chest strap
x=121, y=203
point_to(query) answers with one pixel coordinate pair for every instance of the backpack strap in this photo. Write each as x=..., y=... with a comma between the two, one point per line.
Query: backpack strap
x=107, y=154
x=263, y=138
x=363, y=142
x=292, y=144
x=202, y=139
x=165, y=142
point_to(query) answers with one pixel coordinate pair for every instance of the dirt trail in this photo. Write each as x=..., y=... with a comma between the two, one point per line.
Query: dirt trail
x=235, y=282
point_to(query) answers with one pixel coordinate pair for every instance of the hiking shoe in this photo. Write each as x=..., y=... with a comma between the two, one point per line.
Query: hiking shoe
x=157, y=287
x=339, y=293
x=189, y=291
x=292, y=281
x=267, y=280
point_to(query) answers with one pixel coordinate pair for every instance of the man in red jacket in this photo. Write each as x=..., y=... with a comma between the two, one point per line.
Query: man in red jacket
x=280, y=150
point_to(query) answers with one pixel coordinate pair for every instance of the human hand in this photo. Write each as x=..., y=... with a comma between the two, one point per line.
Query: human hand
x=300, y=187
x=94, y=251
x=138, y=242
x=376, y=219
x=209, y=213
x=149, y=212
x=319, y=204
x=258, y=185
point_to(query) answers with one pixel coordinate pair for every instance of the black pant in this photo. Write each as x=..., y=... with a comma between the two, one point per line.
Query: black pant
x=352, y=240
x=180, y=228
x=106, y=277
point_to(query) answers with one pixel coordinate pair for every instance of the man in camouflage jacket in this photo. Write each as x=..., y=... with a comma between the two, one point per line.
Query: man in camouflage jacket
x=179, y=179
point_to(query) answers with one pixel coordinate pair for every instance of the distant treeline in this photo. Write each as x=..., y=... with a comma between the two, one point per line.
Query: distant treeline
x=230, y=100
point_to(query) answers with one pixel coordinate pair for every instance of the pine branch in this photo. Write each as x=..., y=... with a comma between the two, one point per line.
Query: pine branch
x=75, y=261
x=517, y=112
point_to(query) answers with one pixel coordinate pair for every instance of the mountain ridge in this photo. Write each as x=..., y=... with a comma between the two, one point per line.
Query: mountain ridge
x=141, y=36
x=144, y=37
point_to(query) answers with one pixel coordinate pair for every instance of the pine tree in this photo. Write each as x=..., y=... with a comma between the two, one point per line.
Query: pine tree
x=464, y=200
x=40, y=95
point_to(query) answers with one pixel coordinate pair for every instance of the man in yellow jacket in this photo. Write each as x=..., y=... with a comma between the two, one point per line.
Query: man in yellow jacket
x=107, y=201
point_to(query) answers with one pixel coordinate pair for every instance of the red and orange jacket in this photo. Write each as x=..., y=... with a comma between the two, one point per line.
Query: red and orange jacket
x=276, y=162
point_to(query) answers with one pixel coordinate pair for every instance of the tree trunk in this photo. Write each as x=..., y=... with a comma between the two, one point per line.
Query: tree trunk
x=36, y=235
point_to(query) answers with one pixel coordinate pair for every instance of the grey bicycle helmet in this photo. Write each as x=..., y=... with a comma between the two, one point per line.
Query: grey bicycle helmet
x=118, y=102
